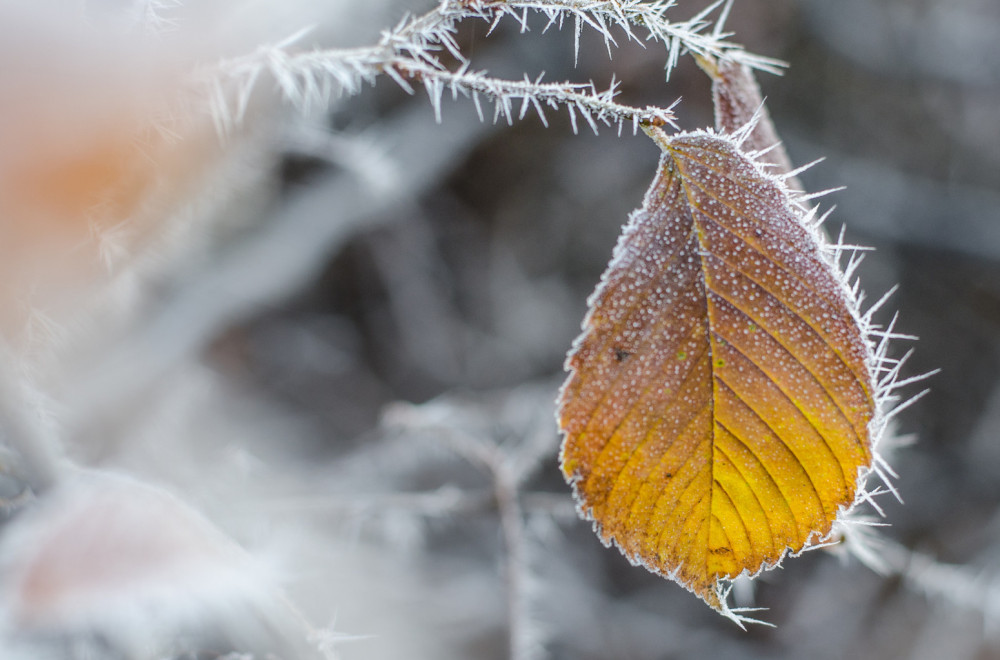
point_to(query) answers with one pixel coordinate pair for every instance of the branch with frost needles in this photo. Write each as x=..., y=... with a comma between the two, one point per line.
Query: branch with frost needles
x=602, y=15
x=314, y=76
x=584, y=99
x=414, y=46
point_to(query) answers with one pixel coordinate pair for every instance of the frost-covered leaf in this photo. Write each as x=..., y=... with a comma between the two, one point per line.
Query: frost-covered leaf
x=718, y=408
x=108, y=554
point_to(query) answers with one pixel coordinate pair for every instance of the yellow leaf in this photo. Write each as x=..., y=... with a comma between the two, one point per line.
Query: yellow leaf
x=718, y=407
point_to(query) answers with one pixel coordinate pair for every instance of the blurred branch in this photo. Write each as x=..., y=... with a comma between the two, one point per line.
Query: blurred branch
x=443, y=502
x=233, y=286
x=26, y=428
x=579, y=99
x=956, y=585
x=460, y=427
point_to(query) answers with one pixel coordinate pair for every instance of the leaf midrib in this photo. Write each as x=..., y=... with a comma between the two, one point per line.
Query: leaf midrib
x=702, y=250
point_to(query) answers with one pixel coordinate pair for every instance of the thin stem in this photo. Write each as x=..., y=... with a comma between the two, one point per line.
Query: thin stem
x=512, y=525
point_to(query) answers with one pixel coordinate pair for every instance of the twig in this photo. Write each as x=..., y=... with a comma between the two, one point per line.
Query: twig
x=413, y=50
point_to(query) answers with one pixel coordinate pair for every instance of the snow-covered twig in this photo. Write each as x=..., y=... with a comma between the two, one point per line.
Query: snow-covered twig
x=603, y=15
x=583, y=99
x=414, y=50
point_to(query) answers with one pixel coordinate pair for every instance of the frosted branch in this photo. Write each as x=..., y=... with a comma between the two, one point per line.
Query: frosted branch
x=413, y=50
x=603, y=15
x=581, y=100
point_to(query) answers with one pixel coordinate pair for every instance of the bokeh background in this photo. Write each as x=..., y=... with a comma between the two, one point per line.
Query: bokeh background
x=339, y=334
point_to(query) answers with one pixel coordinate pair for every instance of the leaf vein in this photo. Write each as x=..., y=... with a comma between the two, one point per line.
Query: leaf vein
x=770, y=529
x=750, y=193
x=818, y=260
x=767, y=471
x=676, y=538
x=739, y=516
x=835, y=304
x=763, y=327
x=798, y=409
x=614, y=331
x=642, y=394
x=665, y=528
x=652, y=427
x=763, y=421
x=608, y=285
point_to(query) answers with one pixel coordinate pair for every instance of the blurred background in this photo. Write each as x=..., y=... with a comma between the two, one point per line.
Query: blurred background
x=338, y=334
